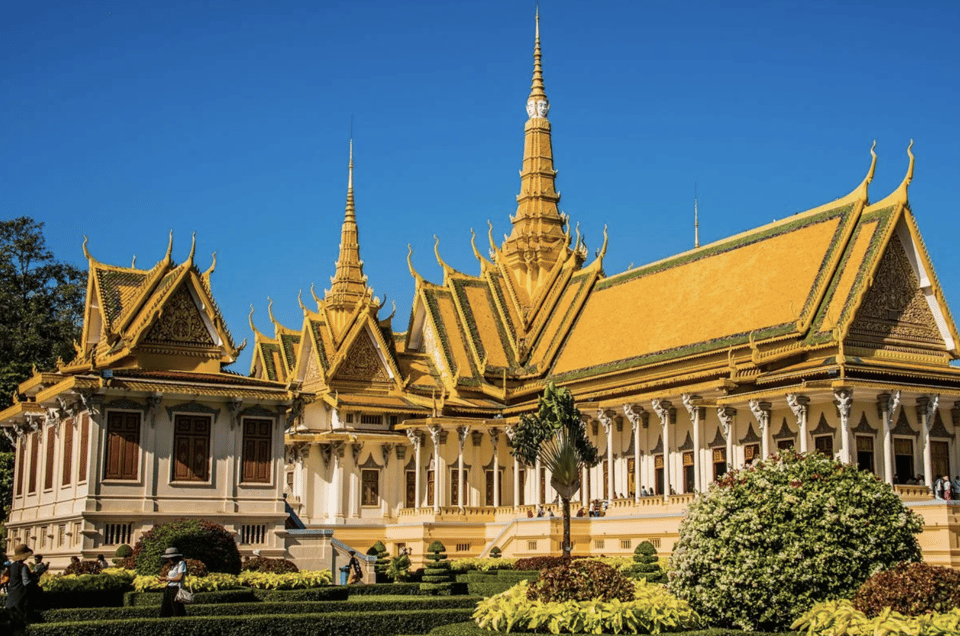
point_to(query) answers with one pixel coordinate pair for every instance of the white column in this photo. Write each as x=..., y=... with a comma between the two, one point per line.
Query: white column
x=516, y=471
x=697, y=415
x=926, y=412
x=633, y=411
x=887, y=404
x=663, y=410
x=337, y=451
x=417, y=442
x=800, y=405
x=606, y=418
x=844, y=402
x=537, y=495
x=727, y=415
x=761, y=411
x=495, y=440
x=355, y=449
x=437, y=470
x=462, y=432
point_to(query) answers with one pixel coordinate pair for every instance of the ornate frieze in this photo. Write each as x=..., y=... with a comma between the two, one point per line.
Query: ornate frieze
x=938, y=430
x=298, y=452
x=180, y=323
x=363, y=362
x=126, y=404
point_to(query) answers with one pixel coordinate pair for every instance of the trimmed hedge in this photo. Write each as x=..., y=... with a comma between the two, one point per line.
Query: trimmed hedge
x=246, y=609
x=304, y=595
x=84, y=598
x=332, y=624
x=491, y=583
x=471, y=629
x=153, y=599
x=395, y=589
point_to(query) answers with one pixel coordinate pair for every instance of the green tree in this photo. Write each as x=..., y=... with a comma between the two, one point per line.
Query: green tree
x=41, y=306
x=557, y=437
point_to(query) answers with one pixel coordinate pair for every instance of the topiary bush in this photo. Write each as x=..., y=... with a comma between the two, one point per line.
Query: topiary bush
x=272, y=566
x=436, y=576
x=767, y=542
x=646, y=564
x=195, y=538
x=383, y=560
x=580, y=580
x=495, y=552
x=399, y=569
x=121, y=556
x=911, y=589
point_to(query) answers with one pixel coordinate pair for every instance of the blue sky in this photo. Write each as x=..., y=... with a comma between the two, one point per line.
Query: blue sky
x=124, y=120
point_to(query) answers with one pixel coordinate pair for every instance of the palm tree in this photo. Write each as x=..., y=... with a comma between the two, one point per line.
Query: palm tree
x=557, y=438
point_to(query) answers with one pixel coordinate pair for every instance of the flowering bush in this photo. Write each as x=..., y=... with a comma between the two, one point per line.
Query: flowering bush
x=580, y=580
x=483, y=565
x=911, y=589
x=652, y=610
x=767, y=542
x=841, y=618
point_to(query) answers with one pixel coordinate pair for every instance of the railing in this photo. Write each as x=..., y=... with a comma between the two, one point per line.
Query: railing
x=913, y=493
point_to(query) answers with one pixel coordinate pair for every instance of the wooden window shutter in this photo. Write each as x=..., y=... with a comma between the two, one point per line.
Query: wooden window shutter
x=20, y=460
x=84, y=447
x=51, y=448
x=67, y=452
x=191, y=448
x=257, y=451
x=123, y=445
x=34, y=456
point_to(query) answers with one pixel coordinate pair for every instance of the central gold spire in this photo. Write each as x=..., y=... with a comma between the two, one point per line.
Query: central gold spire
x=349, y=285
x=538, y=240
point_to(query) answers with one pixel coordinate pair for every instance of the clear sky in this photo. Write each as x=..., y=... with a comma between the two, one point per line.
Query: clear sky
x=124, y=120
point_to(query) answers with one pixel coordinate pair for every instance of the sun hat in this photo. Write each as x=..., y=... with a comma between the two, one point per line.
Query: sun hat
x=170, y=553
x=21, y=552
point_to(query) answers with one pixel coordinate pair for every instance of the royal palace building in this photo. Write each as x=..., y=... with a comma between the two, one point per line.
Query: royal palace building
x=826, y=331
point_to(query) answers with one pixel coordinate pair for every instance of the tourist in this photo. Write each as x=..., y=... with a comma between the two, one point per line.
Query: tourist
x=175, y=579
x=74, y=560
x=956, y=487
x=39, y=567
x=356, y=572
x=540, y=511
x=23, y=584
x=580, y=512
x=102, y=563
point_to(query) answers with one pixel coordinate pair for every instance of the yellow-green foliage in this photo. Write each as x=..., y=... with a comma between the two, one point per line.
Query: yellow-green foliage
x=483, y=565
x=112, y=579
x=622, y=564
x=290, y=581
x=653, y=611
x=213, y=582
x=841, y=618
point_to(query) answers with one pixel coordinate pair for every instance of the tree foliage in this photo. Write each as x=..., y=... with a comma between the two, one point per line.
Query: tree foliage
x=41, y=305
x=557, y=437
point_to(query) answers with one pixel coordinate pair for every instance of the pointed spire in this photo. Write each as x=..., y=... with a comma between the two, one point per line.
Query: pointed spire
x=349, y=283
x=537, y=93
x=696, y=220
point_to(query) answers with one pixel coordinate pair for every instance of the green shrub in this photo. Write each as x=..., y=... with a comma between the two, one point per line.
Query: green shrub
x=153, y=599
x=436, y=551
x=71, y=583
x=123, y=551
x=195, y=568
x=82, y=567
x=393, y=589
x=767, y=542
x=471, y=629
x=495, y=552
x=651, y=610
x=274, y=566
x=338, y=593
x=841, y=618
x=580, y=580
x=339, y=623
x=195, y=538
x=483, y=565
x=399, y=569
x=436, y=576
x=910, y=589
x=383, y=560
x=540, y=563
x=646, y=565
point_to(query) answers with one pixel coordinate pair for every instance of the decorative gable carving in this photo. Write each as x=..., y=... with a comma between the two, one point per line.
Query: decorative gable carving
x=823, y=428
x=687, y=444
x=363, y=362
x=863, y=427
x=938, y=429
x=903, y=425
x=718, y=440
x=894, y=306
x=656, y=450
x=784, y=432
x=751, y=437
x=180, y=323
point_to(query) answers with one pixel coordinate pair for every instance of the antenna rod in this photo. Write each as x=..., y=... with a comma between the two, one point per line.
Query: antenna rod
x=696, y=218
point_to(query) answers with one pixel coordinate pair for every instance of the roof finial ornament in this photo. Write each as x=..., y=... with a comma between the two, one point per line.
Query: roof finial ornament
x=253, y=327
x=270, y=313
x=909, y=176
x=167, y=258
x=303, y=307
x=600, y=253
x=413, y=272
x=313, y=293
x=133, y=263
x=862, y=190
x=86, y=254
x=193, y=250
x=493, y=244
x=473, y=244
x=436, y=251
x=213, y=266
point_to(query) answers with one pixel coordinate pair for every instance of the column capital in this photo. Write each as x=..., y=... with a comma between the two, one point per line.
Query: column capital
x=664, y=410
x=927, y=406
x=494, y=433
x=462, y=432
x=606, y=418
x=355, y=449
x=761, y=411
x=690, y=403
x=385, y=451
x=726, y=415
x=887, y=404
x=843, y=400
x=414, y=436
x=435, y=431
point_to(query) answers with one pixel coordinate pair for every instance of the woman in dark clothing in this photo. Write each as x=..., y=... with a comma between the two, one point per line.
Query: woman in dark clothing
x=23, y=582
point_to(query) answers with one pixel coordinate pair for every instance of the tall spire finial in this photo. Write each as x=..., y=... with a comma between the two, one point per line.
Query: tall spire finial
x=349, y=283
x=696, y=219
x=351, y=208
x=537, y=104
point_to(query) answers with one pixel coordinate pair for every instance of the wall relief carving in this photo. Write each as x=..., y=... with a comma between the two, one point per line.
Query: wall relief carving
x=363, y=362
x=180, y=323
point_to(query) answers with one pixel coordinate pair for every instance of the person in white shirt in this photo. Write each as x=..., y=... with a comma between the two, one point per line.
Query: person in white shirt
x=175, y=578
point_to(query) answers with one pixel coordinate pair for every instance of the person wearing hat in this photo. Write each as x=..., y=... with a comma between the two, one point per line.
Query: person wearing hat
x=23, y=582
x=356, y=573
x=174, y=578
